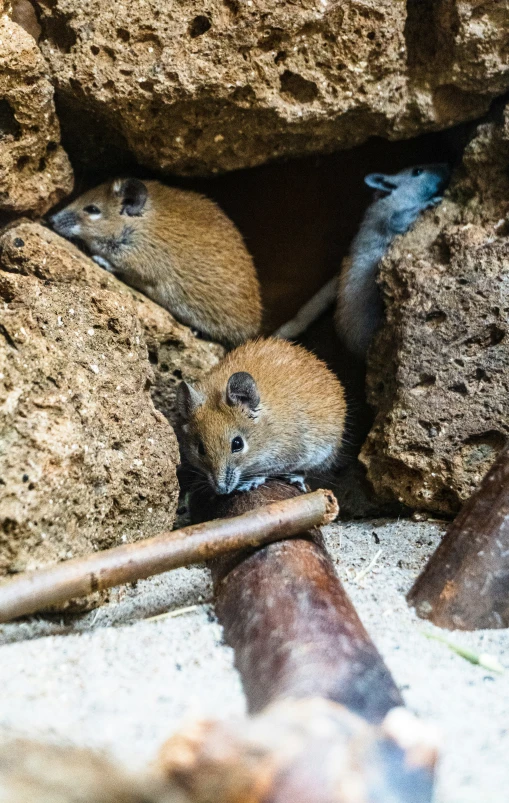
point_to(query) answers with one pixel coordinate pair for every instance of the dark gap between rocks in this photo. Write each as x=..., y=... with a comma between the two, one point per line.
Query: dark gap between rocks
x=298, y=218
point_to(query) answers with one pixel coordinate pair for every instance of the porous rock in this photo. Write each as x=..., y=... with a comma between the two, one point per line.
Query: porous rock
x=86, y=461
x=196, y=88
x=35, y=172
x=175, y=353
x=439, y=368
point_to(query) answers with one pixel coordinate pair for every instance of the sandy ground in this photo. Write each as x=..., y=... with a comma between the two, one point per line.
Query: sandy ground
x=117, y=679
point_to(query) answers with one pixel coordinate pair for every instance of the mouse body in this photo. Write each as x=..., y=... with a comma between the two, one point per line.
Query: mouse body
x=268, y=409
x=175, y=246
x=399, y=200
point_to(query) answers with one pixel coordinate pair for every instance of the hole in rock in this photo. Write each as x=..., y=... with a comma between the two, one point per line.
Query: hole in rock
x=496, y=335
x=299, y=88
x=153, y=356
x=459, y=387
x=200, y=25
x=273, y=41
x=9, y=126
x=57, y=30
x=123, y=35
x=481, y=374
x=433, y=429
x=243, y=94
x=436, y=317
x=425, y=381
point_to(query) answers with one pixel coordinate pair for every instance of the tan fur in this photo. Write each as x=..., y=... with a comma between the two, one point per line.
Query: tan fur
x=182, y=251
x=23, y=13
x=297, y=428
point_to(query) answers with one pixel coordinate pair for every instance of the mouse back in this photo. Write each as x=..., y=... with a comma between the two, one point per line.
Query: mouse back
x=175, y=246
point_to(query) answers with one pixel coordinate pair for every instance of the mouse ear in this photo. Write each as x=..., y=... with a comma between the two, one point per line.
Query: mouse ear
x=241, y=390
x=380, y=182
x=188, y=400
x=133, y=193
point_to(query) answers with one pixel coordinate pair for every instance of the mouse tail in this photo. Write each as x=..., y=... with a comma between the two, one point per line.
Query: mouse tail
x=310, y=312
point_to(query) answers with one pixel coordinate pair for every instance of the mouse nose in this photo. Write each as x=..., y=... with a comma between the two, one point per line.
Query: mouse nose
x=218, y=484
x=223, y=487
x=226, y=483
x=63, y=222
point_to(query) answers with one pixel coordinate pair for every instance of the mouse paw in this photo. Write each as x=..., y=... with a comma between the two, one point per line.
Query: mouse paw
x=298, y=480
x=104, y=263
x=249, y=485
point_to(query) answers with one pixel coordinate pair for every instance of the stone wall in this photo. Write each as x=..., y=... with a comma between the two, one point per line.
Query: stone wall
x=196, y=88
x=86, y=460
x=35, y=172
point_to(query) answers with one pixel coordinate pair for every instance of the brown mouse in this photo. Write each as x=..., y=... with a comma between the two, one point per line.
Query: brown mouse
x=175, y=246
x=268, y=409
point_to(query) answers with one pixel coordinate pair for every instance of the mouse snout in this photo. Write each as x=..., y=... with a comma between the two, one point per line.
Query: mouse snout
x=225, y=482
x=65, y=222
x=221, y=488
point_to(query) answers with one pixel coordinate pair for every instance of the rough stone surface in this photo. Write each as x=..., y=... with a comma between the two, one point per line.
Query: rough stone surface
x=86, y=461
x=193, y=88
x=175, y=353
x=34, y=169
x=439, y=369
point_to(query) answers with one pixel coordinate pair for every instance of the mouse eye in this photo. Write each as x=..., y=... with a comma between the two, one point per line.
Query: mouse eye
x=91, y=209
x=417, y=171
x=237, y=444
x=200, y=447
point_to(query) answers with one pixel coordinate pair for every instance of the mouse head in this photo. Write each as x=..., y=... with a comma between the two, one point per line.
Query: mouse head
x=419, y=186
x=223, y=430
x=104, y=218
